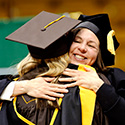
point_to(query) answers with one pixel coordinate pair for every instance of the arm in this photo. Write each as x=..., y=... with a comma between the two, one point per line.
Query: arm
x=38, y=87
x=112, y=97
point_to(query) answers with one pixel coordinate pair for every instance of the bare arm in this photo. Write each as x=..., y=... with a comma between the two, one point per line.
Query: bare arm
x=40, y=88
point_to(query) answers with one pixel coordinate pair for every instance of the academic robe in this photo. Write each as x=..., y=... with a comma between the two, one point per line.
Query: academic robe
x=4, y=81
x=23, y=109
x=111, y=99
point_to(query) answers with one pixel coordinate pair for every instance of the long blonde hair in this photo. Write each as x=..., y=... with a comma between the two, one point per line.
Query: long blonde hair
x=55, y=65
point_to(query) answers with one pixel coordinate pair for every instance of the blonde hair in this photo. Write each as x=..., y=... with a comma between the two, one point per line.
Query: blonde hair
x=56, y=65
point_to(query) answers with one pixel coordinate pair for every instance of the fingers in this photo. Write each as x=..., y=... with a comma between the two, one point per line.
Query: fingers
x=89, y=69
x=49, y=97
x=58, y=88
x=48, y=79
x=52, y=93
x=52, y=96
x=73, y=73
x=71, y=79
x=71, y=85
x=69, y=72
x=55, y=94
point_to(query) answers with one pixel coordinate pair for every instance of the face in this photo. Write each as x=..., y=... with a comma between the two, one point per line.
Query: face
x=85, y=48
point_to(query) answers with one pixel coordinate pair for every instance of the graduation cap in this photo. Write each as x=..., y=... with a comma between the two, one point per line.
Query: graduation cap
x=100, y=25
x=45, y=35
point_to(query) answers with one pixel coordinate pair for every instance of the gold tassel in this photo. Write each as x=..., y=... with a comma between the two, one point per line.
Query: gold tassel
x=110, y=42
x=52, y=22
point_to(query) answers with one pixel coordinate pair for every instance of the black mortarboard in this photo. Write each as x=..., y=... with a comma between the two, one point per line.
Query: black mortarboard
x=45, y=34
x=100, y=25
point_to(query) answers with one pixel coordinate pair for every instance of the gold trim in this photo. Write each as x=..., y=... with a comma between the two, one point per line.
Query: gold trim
x=19, y=115
x=87, y=98
x=55, y=112
x=53, y=22
x=88, y=102
x=27, y=101
x=1, y=105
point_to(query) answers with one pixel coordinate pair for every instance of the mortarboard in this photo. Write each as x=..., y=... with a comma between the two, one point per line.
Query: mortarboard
x=100, y=25
x=45, y=35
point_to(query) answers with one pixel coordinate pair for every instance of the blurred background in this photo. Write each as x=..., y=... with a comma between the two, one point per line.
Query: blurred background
x=14, y=13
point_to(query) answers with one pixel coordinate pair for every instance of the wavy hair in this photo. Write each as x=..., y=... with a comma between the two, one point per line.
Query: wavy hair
x=31, y=67
x=54, y=66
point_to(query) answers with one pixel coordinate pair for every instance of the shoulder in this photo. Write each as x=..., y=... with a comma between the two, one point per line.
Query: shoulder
x=116, y=76
x=115, y=72
x=8, y=77
x=5, y=80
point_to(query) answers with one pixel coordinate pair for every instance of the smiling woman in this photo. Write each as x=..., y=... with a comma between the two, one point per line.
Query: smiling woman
x=85, y=48
x=90, y=41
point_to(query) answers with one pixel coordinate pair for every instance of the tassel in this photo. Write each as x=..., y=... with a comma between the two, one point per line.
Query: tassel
x=110, y=42
x=52, y=22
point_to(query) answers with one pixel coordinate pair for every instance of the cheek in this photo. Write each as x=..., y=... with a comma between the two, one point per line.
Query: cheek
x=72, y=48
x=93, y=55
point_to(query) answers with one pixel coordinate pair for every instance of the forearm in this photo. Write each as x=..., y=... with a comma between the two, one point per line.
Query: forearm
x=14, y=88
x=38, y=88
x=20, y=88
x=112, y=104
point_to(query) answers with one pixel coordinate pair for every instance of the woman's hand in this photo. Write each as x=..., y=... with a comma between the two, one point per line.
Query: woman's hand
x=40, y=88
x=87, y=79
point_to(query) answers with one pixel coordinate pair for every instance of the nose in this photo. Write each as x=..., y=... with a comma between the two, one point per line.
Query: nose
x=83, y=48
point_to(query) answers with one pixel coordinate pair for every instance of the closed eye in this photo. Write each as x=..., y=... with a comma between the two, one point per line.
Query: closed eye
x=92, y=46
x=76, y=41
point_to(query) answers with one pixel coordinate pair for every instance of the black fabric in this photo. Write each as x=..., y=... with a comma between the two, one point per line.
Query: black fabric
x=3, y=114
x=92, y=27
x=4, y=81
x=51, y=51
x=12, y=116
x=112, y=97
x=103, y=24
x=70, y=112
x=100, y=117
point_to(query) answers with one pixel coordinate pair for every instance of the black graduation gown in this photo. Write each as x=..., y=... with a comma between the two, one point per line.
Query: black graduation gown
x=4, y=81
x=111, y=98
x=70, y=112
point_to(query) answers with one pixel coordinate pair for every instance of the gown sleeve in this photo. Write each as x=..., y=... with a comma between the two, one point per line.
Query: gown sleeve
x=4, y=81
x=112, y=97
